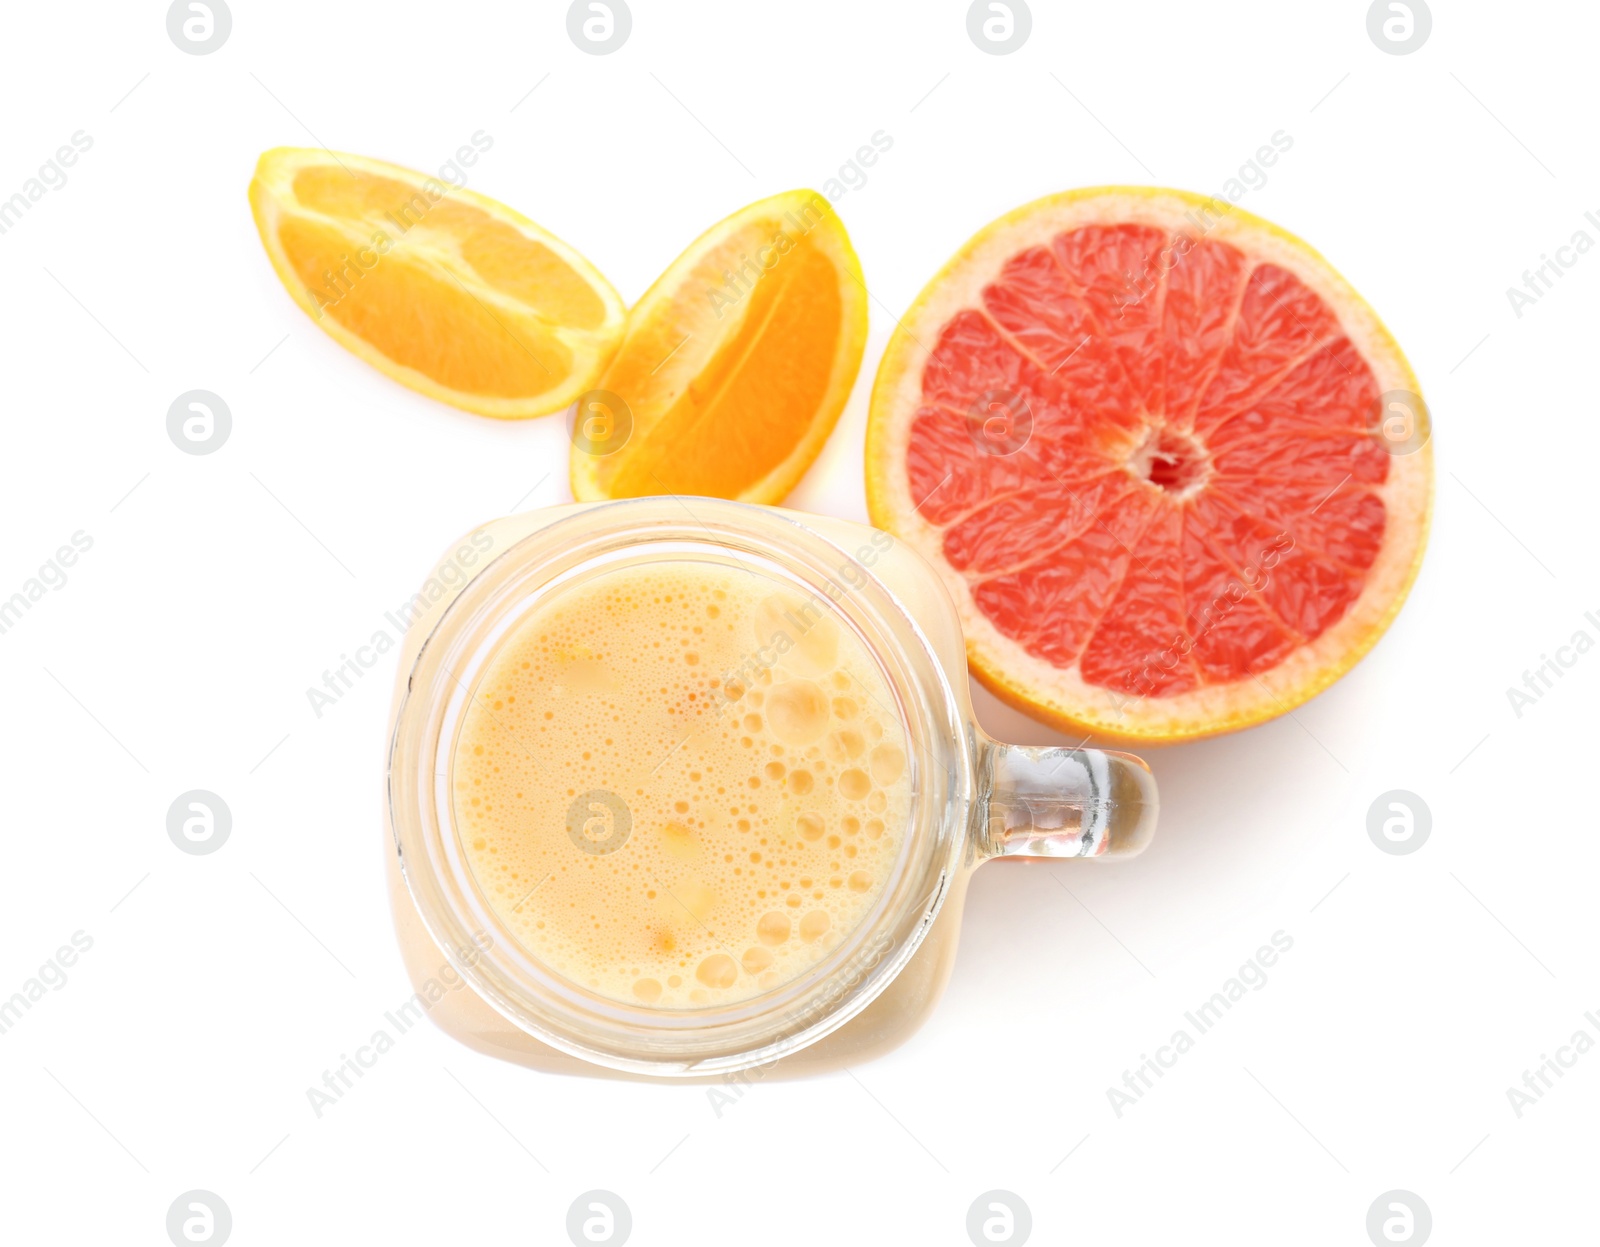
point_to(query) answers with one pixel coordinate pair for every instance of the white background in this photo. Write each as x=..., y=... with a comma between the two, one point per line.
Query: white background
x=1419, y=988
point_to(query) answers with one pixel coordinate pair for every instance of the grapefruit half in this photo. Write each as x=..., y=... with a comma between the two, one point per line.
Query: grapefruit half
x=1174, y=470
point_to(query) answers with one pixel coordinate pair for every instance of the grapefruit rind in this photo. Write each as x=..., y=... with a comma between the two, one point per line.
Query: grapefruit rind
x=273, y=198
x=665, y=304
x=1060, y=696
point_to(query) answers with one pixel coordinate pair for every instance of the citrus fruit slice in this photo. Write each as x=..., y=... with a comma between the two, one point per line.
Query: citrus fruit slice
x=735, y=364
x=445, y=290
x=1173, y=469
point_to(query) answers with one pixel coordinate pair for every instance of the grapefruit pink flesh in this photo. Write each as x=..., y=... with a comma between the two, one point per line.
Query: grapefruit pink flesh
x=1184, y=487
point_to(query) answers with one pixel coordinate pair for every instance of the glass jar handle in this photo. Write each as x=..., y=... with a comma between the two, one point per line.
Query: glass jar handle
x=1042, y=801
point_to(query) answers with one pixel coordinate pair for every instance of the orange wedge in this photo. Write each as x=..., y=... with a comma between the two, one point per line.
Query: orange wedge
x=735, y=364
x=443, y=289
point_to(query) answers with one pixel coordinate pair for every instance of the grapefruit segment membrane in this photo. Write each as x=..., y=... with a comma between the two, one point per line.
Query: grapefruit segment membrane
x=1138, y=433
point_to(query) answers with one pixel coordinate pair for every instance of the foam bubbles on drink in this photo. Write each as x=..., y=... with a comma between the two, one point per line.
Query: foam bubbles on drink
x=750, y=737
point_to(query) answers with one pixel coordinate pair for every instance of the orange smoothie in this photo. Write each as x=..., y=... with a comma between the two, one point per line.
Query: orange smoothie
x=681, y=784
